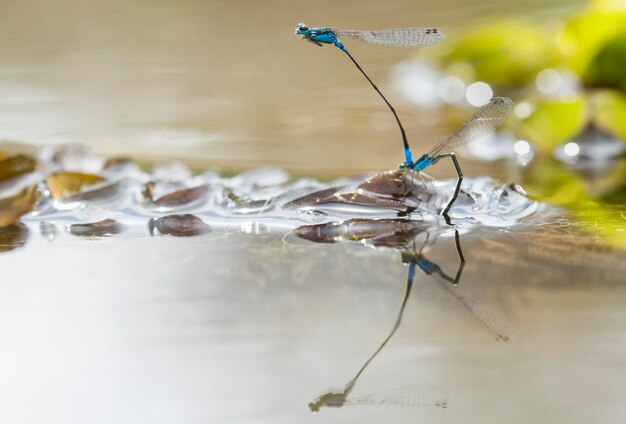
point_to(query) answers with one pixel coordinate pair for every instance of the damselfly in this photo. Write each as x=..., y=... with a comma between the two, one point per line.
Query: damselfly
x=482, y=123
x=401, y=37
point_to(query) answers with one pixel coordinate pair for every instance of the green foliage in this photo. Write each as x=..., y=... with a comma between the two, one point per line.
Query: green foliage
x=607, y=67
x=553, y=122
x=510, y=54
x=587, y=34
x=505, y=53
x=608, y=111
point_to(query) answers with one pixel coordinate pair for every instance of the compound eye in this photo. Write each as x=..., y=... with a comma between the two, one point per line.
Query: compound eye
x=302, y=27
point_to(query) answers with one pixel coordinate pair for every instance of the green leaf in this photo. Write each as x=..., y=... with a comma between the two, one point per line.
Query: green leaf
x=587, y=33
x=606, y=69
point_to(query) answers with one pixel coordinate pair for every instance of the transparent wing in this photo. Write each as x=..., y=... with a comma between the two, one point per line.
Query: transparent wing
x=488, y=315
x=485, y=121
x=422, y=395
x=401, y=37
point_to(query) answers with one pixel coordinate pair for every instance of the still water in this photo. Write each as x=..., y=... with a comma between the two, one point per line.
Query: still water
x=516, y=316
x=236, y=327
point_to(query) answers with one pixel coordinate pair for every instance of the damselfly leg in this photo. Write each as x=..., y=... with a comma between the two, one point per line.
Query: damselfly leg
x=480, y=124
x=457, y=188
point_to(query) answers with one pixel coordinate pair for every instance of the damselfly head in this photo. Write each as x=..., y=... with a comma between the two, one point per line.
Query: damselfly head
x=301, y=30
x=314, y=407
x=331, y=399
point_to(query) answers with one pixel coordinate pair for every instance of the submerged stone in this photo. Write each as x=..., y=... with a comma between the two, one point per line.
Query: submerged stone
x=180, y=225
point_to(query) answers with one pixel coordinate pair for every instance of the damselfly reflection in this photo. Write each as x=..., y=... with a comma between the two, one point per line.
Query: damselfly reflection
x=401, y=234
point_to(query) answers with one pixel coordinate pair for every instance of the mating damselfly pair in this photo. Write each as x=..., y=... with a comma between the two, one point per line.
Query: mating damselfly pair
x=480, y=124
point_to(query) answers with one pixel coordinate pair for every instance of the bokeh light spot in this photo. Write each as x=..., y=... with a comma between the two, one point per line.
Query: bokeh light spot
x=478, y=94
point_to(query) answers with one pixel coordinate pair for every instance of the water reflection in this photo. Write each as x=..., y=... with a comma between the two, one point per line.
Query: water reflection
x=48, y=230
x=13, y=237
x=402, y=234
x=103, y=228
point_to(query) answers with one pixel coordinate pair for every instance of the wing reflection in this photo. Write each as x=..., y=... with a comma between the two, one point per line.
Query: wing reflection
x=401, y=234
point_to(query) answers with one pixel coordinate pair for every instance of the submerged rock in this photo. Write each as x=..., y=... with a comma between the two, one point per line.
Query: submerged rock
x=180, y=225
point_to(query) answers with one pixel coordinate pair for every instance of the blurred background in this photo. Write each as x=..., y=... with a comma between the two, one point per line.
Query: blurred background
x=229, y=83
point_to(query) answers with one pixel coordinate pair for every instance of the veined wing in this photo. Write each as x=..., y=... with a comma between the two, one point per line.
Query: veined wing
x=401, y=37
x=485, y=121
x=488, y=315
x=422, y=395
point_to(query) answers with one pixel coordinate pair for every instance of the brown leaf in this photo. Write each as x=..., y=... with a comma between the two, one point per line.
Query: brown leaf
x=62, y=184
x=12, y=208
x=14, y=166
x=176, y=198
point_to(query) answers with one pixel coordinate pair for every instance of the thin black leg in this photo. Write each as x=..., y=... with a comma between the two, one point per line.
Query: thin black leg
x=405, y=143
x=457, y=189
x=459, y=251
